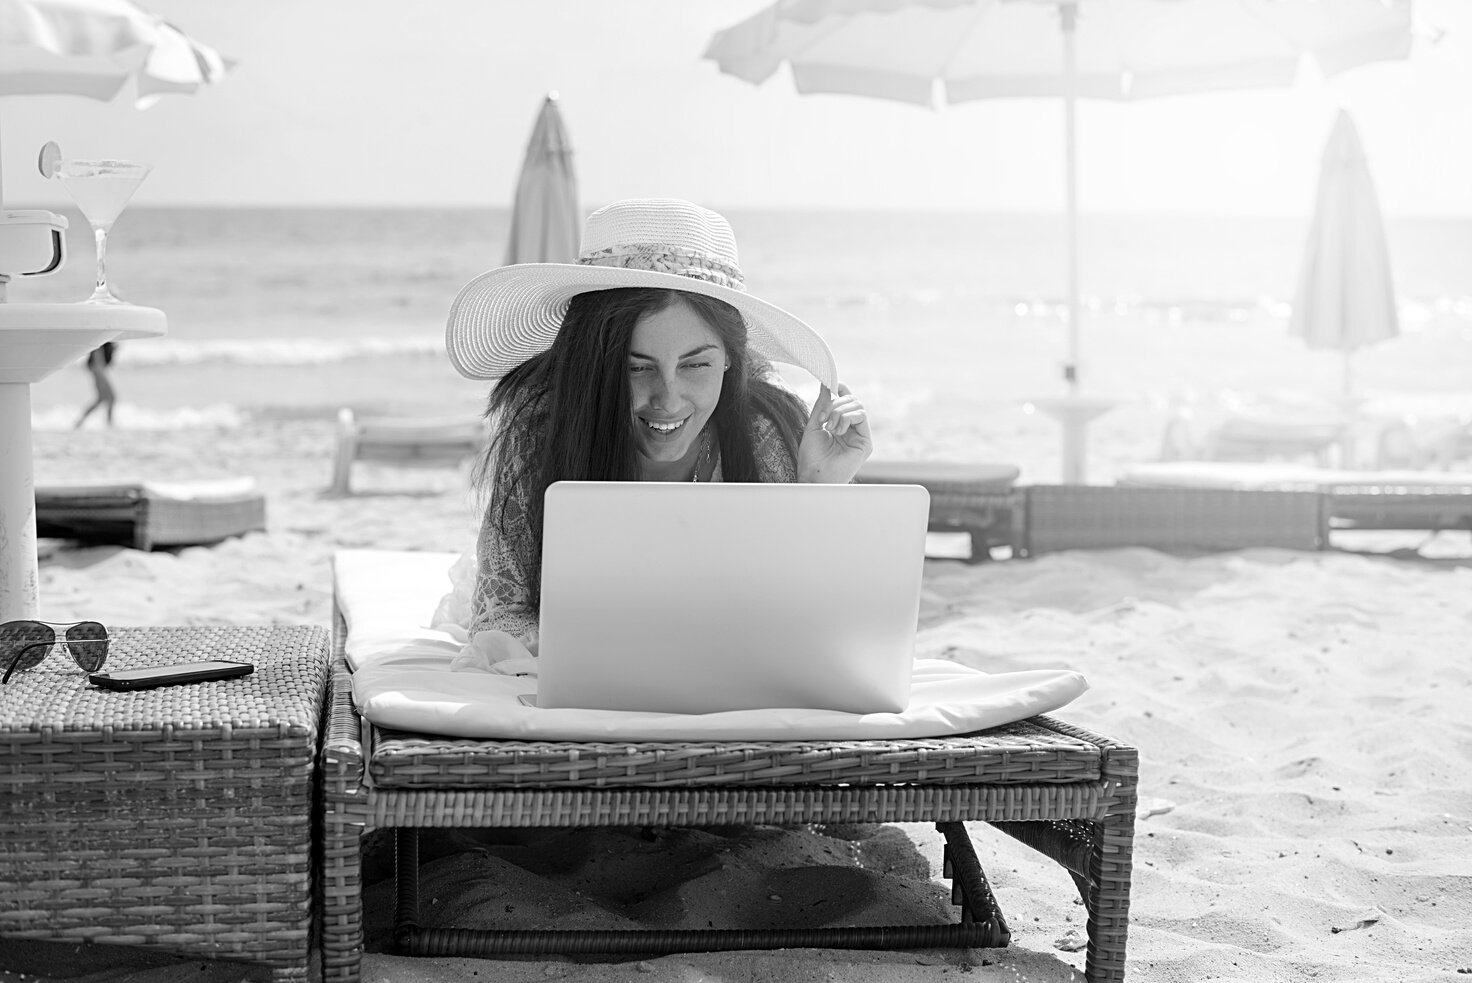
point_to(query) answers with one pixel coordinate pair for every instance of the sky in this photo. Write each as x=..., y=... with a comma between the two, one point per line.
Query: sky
x=377, y=103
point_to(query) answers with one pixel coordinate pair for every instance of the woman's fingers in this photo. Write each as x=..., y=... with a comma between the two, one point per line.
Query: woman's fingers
x=818, y=418
x=844, y=413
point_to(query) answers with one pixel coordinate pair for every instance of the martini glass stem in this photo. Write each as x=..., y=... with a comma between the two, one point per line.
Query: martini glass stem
x=99, y=232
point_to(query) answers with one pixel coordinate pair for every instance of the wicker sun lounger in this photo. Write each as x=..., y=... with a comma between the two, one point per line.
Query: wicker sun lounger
x=149, y=515
x=403, y=442
x=1059, y=517
x=1068, y=793
x=976, y=499
x=1352, y=499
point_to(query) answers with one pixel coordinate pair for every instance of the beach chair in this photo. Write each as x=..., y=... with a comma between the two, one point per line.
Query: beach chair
x=403, y=442
x=1351, y=499
x=975, y=499
x=1062, y=517
x=149, y=515
x=1064, y=791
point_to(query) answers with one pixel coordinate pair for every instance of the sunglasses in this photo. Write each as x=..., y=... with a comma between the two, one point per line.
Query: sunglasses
x=24, y=644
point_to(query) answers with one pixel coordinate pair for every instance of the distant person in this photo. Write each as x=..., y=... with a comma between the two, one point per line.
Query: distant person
x=97, y=363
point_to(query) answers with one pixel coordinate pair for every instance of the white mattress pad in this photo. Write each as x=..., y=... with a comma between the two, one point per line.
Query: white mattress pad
x=408, y=676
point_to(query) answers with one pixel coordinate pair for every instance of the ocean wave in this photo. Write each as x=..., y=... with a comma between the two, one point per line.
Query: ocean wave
x=279, y=351
x=219, y=416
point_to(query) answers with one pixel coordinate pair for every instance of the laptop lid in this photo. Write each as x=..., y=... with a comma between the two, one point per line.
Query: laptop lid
x=698, y=598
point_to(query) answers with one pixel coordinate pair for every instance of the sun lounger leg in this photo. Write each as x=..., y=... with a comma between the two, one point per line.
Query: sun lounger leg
x=1098, y=855
x=347, y=450
x=969, y=887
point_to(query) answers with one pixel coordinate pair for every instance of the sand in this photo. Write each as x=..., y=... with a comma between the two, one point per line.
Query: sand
x=1306, y=756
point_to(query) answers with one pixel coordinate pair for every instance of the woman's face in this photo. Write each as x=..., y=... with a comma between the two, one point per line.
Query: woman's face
x=676, y=363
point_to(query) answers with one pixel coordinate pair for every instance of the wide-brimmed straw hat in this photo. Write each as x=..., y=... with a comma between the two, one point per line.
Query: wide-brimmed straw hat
x=507, y=315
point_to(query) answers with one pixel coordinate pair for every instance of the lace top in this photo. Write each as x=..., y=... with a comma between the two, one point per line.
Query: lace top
x=502, y=600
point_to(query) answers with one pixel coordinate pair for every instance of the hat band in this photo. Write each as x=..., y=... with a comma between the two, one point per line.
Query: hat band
x=675, y=260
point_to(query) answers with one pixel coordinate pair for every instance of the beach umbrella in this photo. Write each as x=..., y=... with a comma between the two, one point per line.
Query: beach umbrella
x=1345, y=298
x=950, y=51
x=92, y=48
x=546, y=225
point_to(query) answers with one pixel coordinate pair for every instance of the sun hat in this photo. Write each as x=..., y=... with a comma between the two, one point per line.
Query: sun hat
x=507, y=315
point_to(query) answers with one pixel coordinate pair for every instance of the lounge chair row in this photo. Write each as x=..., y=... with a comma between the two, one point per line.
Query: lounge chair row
x=1181, y=508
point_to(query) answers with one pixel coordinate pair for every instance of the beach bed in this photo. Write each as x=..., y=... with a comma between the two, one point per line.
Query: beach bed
x=150, y=515
x=1060, y=789
x=975, y=499
x=1353, y=499
x=404, y=442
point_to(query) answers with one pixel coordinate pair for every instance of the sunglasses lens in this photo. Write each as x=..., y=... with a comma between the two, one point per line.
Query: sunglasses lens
x=87, y=641
x=23, y=644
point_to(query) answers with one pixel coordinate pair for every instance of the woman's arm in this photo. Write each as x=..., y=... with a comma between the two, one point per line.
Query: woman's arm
x=502, y=598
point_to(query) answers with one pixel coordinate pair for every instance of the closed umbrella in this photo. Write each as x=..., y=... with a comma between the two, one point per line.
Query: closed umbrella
x=1345, y=298
x=924, y=51
x=546, y=226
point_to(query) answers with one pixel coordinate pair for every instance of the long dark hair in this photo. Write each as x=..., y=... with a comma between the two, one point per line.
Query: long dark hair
x=564, y=414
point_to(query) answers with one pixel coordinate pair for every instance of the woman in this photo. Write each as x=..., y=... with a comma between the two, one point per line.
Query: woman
x=646, y=361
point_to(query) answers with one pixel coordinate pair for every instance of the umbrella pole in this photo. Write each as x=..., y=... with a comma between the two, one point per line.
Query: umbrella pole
x=3, y=278
x=1068, y=13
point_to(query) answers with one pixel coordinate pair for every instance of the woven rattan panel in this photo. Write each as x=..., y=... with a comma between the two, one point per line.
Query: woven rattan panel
x=1060, y=517
x=1021, y=753
x=178, y=816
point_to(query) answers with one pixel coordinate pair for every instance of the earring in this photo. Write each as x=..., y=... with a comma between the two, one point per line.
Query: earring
x=727, y=368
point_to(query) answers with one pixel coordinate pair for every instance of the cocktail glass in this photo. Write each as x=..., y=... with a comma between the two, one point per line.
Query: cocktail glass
x=101, y=189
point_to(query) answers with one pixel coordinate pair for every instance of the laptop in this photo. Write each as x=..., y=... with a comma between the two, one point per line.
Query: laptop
x=700, y=598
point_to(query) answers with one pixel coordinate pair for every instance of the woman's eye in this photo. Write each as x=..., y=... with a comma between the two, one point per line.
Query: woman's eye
x=634, y=369
x=697, y=365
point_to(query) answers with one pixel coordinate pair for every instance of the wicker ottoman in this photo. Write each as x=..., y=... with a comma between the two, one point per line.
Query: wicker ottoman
x=178, y=817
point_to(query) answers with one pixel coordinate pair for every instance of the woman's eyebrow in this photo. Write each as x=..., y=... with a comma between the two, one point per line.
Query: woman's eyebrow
x=690, y=354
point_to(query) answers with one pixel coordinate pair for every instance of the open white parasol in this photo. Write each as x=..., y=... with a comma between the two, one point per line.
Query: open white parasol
x=949, y=51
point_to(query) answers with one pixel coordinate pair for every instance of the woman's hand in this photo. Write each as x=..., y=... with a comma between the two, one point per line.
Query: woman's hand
x=836, y=440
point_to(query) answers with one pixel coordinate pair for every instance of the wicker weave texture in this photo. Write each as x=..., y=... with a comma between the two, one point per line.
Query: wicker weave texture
x=1062, y=517
x=1021, y=754
x=1401, y=508
x=178, y=816
x=1079, y=804
x=972, y=498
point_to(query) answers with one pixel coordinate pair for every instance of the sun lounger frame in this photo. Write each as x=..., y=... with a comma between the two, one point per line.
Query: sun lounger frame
x=1059, y=517
x=1058, y=788
x=138, y=516
x=404, y=442
x=976, y=499
x=1400, y=507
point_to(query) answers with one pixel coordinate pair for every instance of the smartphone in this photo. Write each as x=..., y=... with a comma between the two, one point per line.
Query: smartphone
x=184, y=672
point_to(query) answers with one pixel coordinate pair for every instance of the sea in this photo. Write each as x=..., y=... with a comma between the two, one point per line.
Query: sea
x=299, y=311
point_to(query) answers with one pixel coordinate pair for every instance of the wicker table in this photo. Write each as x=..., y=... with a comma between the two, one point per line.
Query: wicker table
x=178, y=817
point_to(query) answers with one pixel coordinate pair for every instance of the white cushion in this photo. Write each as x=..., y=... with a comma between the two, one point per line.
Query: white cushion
x=402, y=679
